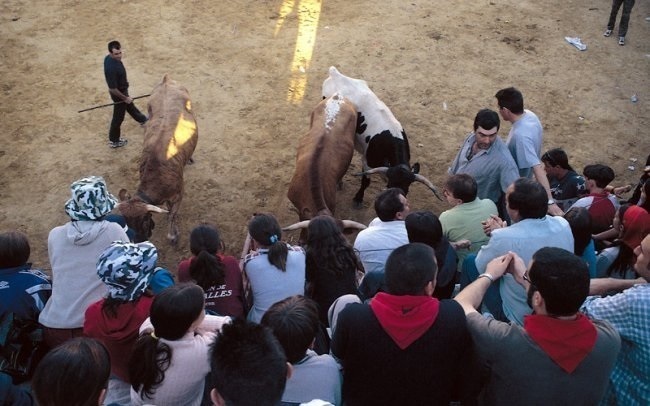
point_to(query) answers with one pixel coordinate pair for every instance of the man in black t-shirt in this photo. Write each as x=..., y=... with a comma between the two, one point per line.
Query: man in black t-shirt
x=118, y=87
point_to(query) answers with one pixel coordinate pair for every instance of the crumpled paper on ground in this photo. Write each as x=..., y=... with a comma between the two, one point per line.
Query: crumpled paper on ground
x=576, y=42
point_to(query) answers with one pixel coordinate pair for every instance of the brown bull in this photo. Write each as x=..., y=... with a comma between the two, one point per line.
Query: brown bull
x=323, y=157
x=169, y=142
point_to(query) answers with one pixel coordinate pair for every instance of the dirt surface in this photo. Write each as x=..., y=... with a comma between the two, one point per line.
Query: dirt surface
x=254, y=70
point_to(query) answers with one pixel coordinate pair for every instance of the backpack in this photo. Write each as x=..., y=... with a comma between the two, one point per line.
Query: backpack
x=21, y=347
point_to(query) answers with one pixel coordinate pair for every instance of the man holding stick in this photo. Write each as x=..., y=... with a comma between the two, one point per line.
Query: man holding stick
x=118, y=87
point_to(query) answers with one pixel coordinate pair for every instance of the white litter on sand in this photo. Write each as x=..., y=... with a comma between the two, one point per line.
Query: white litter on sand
x=576, y=42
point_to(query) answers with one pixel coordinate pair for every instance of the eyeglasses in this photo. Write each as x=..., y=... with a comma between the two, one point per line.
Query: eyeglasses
x=527, y=278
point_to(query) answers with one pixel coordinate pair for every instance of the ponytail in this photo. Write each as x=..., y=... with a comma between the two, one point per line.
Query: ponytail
x=149, y=361
x=207, y=270
x=278, y=252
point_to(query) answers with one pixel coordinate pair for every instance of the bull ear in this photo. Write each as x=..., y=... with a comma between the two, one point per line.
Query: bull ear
x=155, y=209
x=415, y=168
x=123, y=195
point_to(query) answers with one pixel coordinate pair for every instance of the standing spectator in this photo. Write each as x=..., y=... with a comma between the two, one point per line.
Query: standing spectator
x=566, y=185
x=73, y=249
x=531, y=230
x=23, y=290
x=169, y=363
x=332, y=265
x=559, y=356
x=629, y=313
x=525, y=140
x=275, y=270
x=424, y=227
x=601, y=204
x=294, y=322
x=625, y=19
x=75, y=373
x=127, y=269
x=404, y=347
x=118, y=87
x=486, y=158
x=249, y=367
x=385, y=233
x=218, y=275
x=464, y=220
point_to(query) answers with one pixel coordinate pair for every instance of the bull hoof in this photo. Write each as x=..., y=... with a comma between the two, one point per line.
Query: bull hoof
x=357, y=205
x=173, y=239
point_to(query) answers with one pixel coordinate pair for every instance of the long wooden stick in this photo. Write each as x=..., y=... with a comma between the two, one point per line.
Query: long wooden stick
x=112, y=104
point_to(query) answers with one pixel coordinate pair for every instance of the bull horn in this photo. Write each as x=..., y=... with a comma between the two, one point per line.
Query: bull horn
x=353, y=224
x=427, y=182
x=381, y=169
x=156, y=209
x=297, y=226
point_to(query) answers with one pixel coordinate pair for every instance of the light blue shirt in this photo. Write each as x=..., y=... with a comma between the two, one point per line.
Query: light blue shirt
x=523, y=238
x=525, y=142
x=375, y=243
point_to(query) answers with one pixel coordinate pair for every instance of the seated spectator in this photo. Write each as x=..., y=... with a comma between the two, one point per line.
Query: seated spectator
x=629, y=313
x=463, y=221
x=126, y=269
x=275, y=270
x=618, y=259
x=583, y=245
x=404, y=347
x=559, y=356
x=384, y=233
x=637, y=188
x=606, y=238
x=295, y=323
x=14, y=395
x=24, y=291
x=566, y=185
x=332, y=265
x=531, y=229
x=169, y=363
x=249, y=367
x=218, y=275
x=75, y=373
x=73, y=250
x=424, y=227
x=601, y=204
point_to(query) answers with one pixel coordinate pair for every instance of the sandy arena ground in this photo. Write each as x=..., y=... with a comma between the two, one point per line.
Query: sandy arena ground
x=254, y=70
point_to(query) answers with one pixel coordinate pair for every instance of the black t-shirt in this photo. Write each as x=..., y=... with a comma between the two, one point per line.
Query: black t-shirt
x=115, y=74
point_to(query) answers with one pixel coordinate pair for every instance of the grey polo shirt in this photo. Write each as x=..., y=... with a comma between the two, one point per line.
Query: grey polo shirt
x=494, y=169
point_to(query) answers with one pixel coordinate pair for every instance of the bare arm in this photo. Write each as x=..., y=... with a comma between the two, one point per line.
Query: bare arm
x=602, y=286
x=540, y=175
x=471, y=297
x=121, y=96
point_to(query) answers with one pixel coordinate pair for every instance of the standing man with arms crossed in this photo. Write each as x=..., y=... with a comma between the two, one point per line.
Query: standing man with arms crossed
x=525, y=140
x=118, y=87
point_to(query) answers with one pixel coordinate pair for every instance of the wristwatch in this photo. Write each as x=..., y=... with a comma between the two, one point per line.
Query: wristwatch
x=551, y=201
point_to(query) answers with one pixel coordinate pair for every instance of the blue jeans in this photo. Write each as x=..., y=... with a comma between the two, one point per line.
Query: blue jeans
x=492, y=299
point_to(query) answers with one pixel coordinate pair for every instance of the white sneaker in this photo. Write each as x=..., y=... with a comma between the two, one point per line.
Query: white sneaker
x=607, y=33
x=621, y=40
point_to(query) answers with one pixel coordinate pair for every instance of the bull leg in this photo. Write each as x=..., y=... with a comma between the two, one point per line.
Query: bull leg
x=358, y=198
x=172, y=234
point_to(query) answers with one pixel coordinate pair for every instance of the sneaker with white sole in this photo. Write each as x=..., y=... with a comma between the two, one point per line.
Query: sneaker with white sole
x=119, y=143
x=607, y=33
x=621, y=40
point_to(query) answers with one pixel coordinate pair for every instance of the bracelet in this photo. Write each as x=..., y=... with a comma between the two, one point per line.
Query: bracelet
x=486, y=275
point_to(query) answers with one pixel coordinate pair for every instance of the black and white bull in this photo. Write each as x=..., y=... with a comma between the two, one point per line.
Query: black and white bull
x=380, y=138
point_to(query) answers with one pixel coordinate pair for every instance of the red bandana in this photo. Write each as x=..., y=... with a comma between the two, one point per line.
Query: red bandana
x=405, y=318
x=567, y=342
